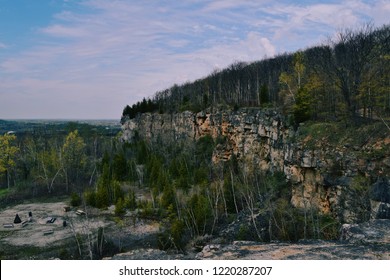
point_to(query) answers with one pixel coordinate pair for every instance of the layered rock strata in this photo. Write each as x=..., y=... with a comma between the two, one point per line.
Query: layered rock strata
x=330, y=178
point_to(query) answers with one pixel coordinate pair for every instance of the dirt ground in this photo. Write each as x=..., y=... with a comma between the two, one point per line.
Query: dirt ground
x=39, y=233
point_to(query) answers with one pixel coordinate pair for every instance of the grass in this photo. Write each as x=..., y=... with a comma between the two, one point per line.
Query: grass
x=3, y=192
x=316, y=134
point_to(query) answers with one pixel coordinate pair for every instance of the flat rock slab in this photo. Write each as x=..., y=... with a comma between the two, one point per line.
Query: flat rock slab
x=39, y=232
x=247, y=250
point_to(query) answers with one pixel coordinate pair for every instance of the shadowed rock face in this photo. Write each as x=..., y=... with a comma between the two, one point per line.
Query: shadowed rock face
x=372, y=232
x=383, y=211
x=380, y=191
x=322, y=176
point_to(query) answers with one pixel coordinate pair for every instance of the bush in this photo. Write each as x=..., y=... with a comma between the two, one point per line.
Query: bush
x=130, y=201
x=172, y=237
x=75, y=200
x=90, y=198
x=120, y=208
x=243, y=233
x=330, y=227
x=102, y=197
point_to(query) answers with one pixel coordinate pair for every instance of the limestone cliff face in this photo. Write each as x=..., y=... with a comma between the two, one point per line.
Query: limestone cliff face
x=331, y=178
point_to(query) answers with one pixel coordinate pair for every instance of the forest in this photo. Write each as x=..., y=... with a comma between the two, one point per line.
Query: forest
x=344, y=78
x=188, y=194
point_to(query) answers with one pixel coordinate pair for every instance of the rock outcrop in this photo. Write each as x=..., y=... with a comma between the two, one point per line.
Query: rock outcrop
x=376, y=231
x=367, y=242
x=332, y=178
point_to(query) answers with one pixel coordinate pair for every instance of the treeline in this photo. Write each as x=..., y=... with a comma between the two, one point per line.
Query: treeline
x=346, y=78
x=58, y=161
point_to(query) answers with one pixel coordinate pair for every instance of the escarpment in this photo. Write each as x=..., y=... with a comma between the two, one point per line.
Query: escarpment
x=327, y=169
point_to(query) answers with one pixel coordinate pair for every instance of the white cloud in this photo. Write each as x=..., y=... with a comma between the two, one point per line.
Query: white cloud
x=109, y=53
x=63, y=31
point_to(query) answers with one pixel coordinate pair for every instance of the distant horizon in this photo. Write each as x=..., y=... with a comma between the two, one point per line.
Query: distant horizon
x=88, y=59
x=56, y=119
x=33, y=120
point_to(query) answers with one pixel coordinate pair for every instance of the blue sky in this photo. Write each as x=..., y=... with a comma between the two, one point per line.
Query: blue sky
x=87, y=59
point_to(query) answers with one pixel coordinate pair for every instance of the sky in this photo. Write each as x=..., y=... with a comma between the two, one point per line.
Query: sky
x=88, y=59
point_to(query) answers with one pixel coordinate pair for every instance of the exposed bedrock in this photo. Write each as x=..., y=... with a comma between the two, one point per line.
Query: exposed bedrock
x=333, y=178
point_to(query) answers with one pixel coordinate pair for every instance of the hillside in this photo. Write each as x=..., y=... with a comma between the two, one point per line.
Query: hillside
x=286, y=148
x=342, y=79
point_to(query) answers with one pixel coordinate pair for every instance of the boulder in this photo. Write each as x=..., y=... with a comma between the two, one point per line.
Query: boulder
x=380, y=191
x=371, y=232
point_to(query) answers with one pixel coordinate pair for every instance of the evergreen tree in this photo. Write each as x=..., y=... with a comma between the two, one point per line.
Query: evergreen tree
x=8, y=151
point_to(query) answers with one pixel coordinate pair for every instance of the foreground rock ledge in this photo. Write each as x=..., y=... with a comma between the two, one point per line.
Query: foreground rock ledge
x=366, y=241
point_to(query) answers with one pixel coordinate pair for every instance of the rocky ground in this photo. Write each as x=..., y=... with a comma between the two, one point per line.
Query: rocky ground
x=369, y=240
x=40, y=236
x=248, y=250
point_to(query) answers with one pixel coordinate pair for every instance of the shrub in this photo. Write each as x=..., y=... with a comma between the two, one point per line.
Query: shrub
x=130, y=201
x=120, y=208
x=90, y=198
x=102, y=197
x=172, y=237
x=75, y=200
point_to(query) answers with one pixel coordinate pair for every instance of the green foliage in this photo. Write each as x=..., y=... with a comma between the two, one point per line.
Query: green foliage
x=319, y=133
x=172, y=237
x=90, y=198
x=3, y=192
x=120, y=208
x=8, y=151
x=75, y=199
x=277, y=185
x=360, y=184
x=74, y=158
x=264, y=98
x=117, y=190
x=146, y=105
x=102, y=197
x=104, y=192
x=244, y=233
x=168, y=197
x=182, y=183
x=292, y=224
x=177, y=231
x=50, y=167
x=329, y=227
x=204, y=148
x=130, y=200
x=201, y=174
x=148, y=211
x=302, y=108
x=199, y=213
x=119, y=167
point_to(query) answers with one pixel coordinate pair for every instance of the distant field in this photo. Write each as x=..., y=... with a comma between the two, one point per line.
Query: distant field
x=103, y=127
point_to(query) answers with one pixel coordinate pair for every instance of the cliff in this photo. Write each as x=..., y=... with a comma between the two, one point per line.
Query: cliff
x=342, y=171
